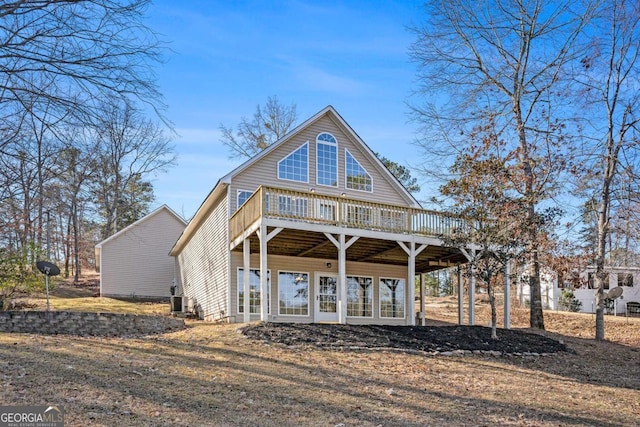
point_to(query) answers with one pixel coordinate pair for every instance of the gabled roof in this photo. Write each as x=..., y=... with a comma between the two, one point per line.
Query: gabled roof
x=225, y=181
x=327, y=110
x=141, y=220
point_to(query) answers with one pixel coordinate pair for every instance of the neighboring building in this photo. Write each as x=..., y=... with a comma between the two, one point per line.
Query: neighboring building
x=320, y=226
x=549, y=293
x=627, y=278
x=135, y=261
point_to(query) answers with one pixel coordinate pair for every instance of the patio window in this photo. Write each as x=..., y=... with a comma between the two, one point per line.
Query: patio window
x=295, y=166
x=254, y=290
x=359, y=296
x=243, y=196
x=391, y=298
x=327, y=160
x=293, y=293
x=356, y=176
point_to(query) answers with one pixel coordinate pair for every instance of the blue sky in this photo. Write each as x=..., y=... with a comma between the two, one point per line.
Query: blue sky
x=229, y=56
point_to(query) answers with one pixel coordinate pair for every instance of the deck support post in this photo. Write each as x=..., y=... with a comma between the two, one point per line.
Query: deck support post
x=507, y=295
x=471, y=254
x=264, y=268
x=342, y=244
x=472, y=295
x=246, y=277
x=460, y=298
x=423, y=320
x=264, y=301
x=342, y=280
x=412, y=252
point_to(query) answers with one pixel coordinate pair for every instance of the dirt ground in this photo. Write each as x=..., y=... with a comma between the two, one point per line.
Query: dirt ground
x=213, y=375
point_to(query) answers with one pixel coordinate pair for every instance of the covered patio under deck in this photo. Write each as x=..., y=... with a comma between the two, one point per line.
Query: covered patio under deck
x=282, y=222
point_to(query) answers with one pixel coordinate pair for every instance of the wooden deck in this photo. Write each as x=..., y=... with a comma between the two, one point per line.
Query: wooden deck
x=271, y=202
x=305, y=218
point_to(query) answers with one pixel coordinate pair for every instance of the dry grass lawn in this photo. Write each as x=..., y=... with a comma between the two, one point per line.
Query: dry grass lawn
x=210, y=375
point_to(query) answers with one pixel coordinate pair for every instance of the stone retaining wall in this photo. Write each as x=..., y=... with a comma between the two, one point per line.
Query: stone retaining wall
x=86, y=324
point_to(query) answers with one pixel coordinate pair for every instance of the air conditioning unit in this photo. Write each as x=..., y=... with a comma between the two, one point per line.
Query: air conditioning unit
x=177, y=304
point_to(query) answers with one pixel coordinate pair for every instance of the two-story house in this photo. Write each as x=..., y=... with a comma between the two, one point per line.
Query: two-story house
x=312, y=229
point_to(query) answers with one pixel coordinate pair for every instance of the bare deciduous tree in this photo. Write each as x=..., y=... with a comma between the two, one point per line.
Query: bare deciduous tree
x=268, y=124
x=68, y=53
x=130, y=148
x=502, y=62
x=610, y=78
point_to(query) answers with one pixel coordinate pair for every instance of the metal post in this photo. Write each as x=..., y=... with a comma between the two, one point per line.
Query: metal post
x=460, y=298
x=46, y=282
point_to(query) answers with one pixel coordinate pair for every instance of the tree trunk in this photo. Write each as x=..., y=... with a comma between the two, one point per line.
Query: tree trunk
x=76, y=245
x=494, y=315
x=603, y=232
x=536, y=317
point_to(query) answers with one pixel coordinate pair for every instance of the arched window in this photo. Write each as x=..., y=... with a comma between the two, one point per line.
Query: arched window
x=326, y=160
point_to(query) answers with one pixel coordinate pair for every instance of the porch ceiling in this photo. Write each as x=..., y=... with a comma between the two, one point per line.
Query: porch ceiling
x=299, y=243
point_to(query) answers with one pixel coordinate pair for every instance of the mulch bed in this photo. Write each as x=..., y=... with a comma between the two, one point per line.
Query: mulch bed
x=431, y=339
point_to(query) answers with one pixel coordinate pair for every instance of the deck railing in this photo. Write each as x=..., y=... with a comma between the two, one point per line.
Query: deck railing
x=310, y=207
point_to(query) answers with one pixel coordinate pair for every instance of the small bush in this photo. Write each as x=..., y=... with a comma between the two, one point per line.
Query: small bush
x=569, y=302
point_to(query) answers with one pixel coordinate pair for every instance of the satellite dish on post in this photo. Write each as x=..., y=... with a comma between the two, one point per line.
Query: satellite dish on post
x=48, y=268
x=615, y=292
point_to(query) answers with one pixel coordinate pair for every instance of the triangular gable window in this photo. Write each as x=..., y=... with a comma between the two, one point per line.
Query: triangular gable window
x=295, y=166
x=357, y=176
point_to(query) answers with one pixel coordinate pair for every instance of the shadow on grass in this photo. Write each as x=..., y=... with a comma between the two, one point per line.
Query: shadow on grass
x=228, y=380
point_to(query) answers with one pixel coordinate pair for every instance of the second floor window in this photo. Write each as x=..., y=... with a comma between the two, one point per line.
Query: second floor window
x=327, y=160
x=357, y=177
x=295, y=166
x=243, y=195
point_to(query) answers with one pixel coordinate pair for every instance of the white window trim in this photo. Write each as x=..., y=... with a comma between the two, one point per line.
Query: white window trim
x=308, y=293
x=404, y=299
x=283, y=159
x=334, y=144
x=372, y=298
x=238, y=291
x=346, y=173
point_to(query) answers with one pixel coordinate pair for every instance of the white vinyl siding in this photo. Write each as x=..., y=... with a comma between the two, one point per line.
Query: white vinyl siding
x=135, y=262
x=204, y=265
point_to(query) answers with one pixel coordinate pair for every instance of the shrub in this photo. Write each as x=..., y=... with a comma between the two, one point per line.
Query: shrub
x=17, y=277
x=569, y=302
